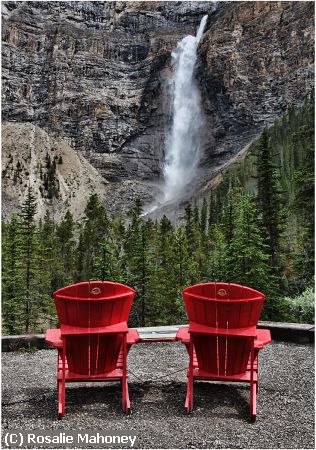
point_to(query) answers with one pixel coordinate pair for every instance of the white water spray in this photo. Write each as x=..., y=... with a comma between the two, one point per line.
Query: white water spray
x=184, y=142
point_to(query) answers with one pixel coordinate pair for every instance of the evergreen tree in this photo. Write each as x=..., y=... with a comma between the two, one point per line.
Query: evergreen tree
x=28, y=255
x=304, y=206
x=249, y=258
x=47, y=275
x=135, y=248
x=229, y=226
x=12, y=277
x=65, y=242
x=270, y=200
x=217, y=256
x=94, y=230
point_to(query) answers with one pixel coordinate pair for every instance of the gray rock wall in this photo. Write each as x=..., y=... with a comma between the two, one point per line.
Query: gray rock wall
x=94, y=74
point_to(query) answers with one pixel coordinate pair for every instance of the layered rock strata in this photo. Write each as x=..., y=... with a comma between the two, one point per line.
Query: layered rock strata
x=95, y=76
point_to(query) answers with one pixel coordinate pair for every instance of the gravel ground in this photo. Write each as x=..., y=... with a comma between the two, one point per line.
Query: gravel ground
x=220, y=419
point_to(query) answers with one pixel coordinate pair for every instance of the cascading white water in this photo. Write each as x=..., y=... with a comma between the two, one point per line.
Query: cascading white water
x=184, y=141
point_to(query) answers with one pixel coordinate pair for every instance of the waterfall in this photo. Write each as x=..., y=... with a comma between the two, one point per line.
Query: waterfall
x=184, y=140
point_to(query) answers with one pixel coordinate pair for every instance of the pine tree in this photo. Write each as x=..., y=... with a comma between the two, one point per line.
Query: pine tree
x=304, y=205
x=135, y=247
x=103, y=262
x=12, y=277
x=65, y=241
x=28, y=256
x=168, y=287
x=270, y=200
x=94, y=230
x=217, y=256
x=228, y=227
x=249, y=257
x=47, y=275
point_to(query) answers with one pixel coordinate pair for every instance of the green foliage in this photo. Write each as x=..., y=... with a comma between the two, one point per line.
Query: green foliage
x=12, y=280
x=269, y=199
x=302, y=307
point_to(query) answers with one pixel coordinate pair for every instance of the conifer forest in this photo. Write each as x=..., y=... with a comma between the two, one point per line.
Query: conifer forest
x=255, y=228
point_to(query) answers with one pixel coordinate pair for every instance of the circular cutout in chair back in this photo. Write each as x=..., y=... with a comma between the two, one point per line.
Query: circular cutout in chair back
x=96, y=291
x=222, y=293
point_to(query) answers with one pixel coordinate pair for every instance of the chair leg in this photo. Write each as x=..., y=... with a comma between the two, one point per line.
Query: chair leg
x=126, y=405
x=253, y=385
x=189, y=397
x=253, y=401
x=62, y=384
x=61, y=398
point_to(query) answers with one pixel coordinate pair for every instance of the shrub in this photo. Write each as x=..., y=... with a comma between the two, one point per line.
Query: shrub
x=303, y=306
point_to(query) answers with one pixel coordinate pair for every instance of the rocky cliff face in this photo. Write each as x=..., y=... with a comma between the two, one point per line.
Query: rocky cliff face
x=94, y=74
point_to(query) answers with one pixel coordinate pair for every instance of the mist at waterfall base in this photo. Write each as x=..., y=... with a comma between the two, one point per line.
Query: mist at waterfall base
x=183, y=143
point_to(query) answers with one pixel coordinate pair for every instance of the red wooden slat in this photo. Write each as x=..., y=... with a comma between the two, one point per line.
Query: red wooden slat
x=61, y=309
x=83, y=290
x=199, y=311
x=209, y=290
x=83, y=313
x=222, y=320
x=116, y=347
x=223, y=313
x=232, y=344
x=95, y=313
x=94, y=343
x=72, y=312
x=235, y=291
x=245, y=311
x=198, y=289
x=121, y=289
x=222, y=291
x=96, y=289
x=84, y=353
x=249, y=293
x=106, y=313
x=103, y=353
x=210, y=313
x=117, y=306
x=189, y=306
x=203, y=346
x=109, y=289
x=126, y=307
x=70, y=291
x=222, y=355
x=255, y=312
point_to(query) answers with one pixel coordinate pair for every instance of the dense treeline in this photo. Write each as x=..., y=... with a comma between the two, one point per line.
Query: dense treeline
x=256, y=229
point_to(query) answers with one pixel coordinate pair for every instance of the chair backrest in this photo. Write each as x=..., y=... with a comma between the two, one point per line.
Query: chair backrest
x=90, y=305
x=223, y=306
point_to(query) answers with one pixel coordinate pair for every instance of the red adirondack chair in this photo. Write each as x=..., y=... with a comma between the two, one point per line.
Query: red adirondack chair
x=93, y=339
x=222, y=340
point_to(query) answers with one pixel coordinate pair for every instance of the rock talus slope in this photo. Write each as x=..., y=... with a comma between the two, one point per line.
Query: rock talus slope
x=94, y=76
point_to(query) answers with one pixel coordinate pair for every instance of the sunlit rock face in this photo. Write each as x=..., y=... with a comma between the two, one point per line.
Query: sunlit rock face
x=94, y=75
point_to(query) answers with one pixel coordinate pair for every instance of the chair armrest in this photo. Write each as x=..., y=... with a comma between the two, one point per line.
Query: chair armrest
x=132, y=336
x=68, y=330
x=183, y=335
x=53, y=337
x=263, y=338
